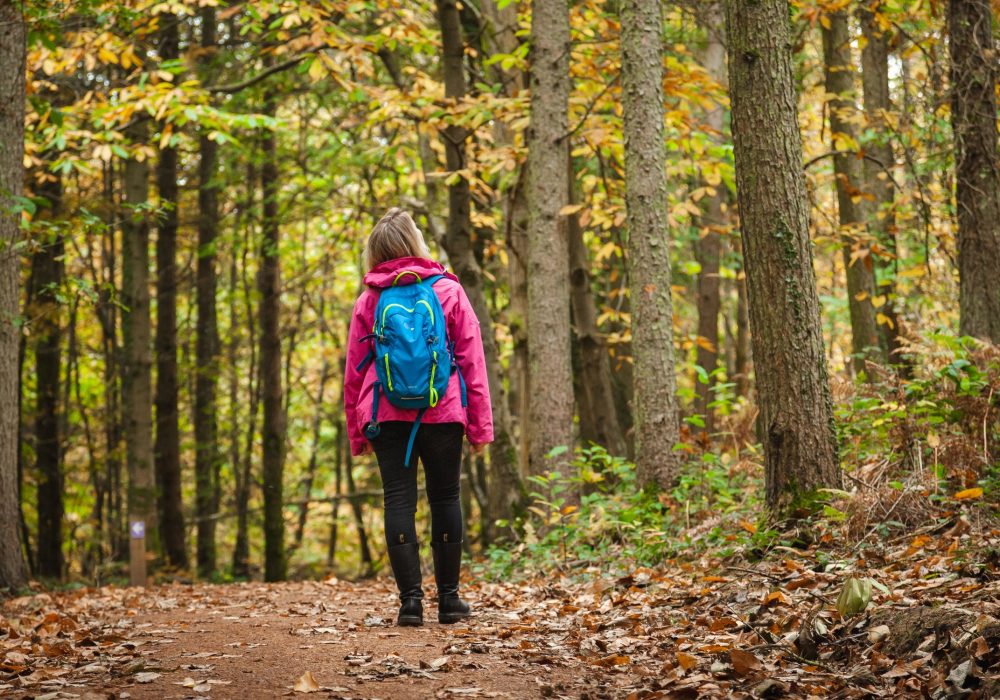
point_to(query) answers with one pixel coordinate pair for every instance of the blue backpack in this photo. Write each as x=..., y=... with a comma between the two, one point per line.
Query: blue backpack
x=413, y=356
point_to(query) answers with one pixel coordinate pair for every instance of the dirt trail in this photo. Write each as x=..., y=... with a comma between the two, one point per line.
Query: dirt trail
x=685, y=631
x=256, y=641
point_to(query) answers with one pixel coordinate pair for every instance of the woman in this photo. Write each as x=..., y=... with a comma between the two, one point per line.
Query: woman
x=395, y=254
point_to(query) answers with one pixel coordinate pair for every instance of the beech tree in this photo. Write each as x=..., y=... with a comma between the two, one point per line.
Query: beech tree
x=648, y=253
x=977, y=168
x=796, y=415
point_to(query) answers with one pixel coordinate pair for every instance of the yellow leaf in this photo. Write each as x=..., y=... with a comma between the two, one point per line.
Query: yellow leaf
x=861, y=296
x=878, y=301
x=317, y=71
x=570, y=209
x=884, y=320
x=969, y=494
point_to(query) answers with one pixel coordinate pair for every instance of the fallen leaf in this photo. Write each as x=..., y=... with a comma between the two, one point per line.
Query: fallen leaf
x=744, y=662
x=306, y=683
x=687, y=661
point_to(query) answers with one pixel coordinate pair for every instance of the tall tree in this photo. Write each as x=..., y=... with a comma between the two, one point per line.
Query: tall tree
x=167, y=446
x=796, y=415
x=45, y=314
x=505, y=477
x=714, y=220
x=839, y=74
x=878, y=169
x=12, y=97
x=550, y=422
x=648, y=252
x=269, y=286
x=206, y=457
x=137, y=406
x=977, y=168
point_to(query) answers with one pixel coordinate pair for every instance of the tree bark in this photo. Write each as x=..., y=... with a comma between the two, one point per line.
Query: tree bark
x=743, y=350
x=878, y=181
x=244, y=471
x=595, y=397
x=137, y=402
x=550, y=421
x=839, y=74
x=46, y=319
x=796, y=415
x=505, y=479
x=167, y=446
x=648, y=252
x=273, y=429
x=207, y=458
x=12, y=97
x=977, y=170
x=713, y=221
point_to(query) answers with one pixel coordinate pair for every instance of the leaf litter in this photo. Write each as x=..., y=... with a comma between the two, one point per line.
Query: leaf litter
x=916, y=617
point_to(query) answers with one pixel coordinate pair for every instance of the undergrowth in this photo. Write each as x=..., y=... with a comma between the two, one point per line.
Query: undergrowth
x=918, y=453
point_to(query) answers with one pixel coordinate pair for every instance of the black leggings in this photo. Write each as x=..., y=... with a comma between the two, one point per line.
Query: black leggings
x=439, y=446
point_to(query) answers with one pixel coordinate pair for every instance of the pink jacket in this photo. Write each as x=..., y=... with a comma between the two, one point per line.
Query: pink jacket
x=463, y=331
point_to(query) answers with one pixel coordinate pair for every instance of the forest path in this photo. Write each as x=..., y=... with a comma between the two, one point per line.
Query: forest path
x=700, y=629
x=258, y=640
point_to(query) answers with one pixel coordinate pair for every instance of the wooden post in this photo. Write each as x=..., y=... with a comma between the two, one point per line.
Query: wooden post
x=137, y=552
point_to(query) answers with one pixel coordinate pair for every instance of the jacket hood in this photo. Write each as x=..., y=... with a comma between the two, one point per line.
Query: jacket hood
x=385, y=274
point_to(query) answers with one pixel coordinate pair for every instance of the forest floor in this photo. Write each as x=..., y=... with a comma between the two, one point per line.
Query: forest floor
x=702, y=628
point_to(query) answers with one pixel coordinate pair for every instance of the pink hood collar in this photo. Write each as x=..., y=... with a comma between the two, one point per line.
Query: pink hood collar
x=385, y=274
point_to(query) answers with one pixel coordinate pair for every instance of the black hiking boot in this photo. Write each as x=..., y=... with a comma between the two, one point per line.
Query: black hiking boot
x=405, y=561
x=447, y=566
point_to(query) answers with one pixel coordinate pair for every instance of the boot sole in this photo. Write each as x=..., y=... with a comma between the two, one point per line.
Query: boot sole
x=452, y=618
x=410, y=621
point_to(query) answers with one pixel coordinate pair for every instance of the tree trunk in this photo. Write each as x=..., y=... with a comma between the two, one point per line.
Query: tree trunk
x=207, y=459
x=501, y=28
x=505, y=479
x=310, y=477
x=106, y=283
x=713, y=221
x=137, y=406
x=12, y=97
x=338, y=472
x=367, y=562
x=167, y=446
x=796, y=415
x=273, y=429
x=977, y=171
x=648, y=253
x=550, y=421
x=592, y=381
x=839, y=73
x=45, y=314
x=878, y=180
x=243, y=470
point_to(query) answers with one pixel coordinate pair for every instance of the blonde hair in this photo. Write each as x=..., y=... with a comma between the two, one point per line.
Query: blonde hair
x=394, y=236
